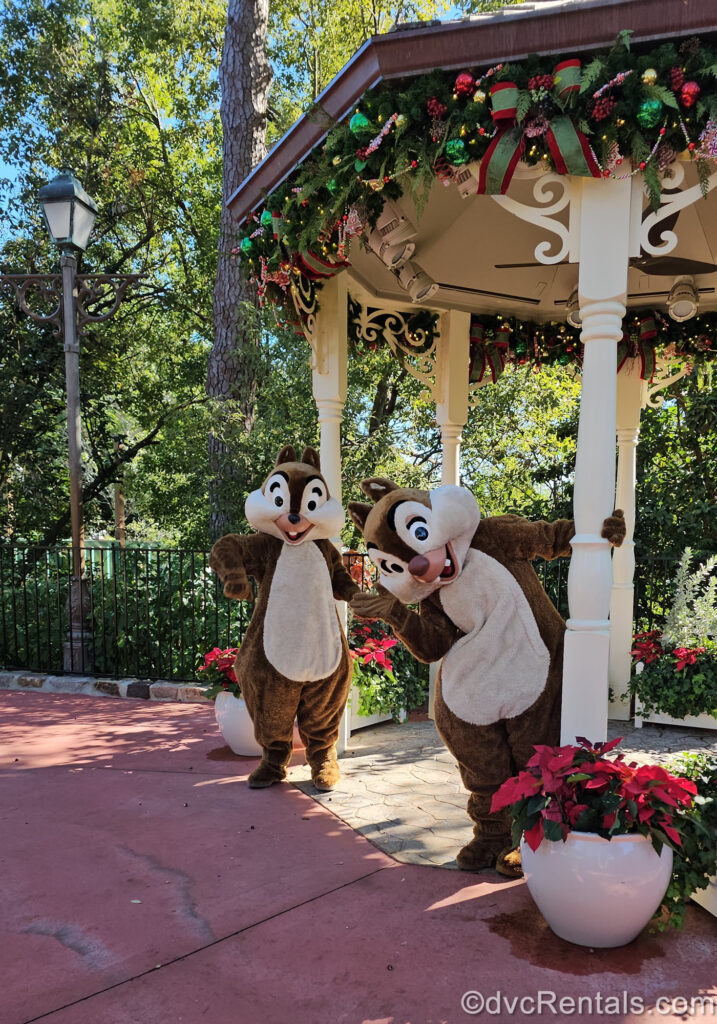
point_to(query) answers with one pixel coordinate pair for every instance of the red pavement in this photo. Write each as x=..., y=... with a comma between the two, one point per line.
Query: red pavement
x=142, y=881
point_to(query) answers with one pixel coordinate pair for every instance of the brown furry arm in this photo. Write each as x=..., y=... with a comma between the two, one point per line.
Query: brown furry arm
x=343, y=586
x=521, y=538
x=428, y=635
x=234, y=558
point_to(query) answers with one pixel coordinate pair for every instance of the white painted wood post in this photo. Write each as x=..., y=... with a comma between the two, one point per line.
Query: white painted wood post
x=451, y=396
x=329, y=375
x=630, y=390
x=603, y=207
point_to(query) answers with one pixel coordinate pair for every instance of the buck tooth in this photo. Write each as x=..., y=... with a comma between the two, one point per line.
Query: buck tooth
x=447, y=561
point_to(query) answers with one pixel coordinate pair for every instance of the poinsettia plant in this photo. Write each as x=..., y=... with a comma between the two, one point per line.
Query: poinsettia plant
x=579, y=789
x=376, y=655
x=217, y=672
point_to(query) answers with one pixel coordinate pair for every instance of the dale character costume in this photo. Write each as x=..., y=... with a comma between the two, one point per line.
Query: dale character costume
x=482, y=609
x=293, y=662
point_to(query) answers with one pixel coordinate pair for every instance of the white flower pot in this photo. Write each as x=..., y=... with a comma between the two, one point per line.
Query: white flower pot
x=235, y=724
x=594, y=891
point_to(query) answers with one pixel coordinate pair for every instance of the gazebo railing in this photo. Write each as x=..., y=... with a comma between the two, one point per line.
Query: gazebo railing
x=151, y=613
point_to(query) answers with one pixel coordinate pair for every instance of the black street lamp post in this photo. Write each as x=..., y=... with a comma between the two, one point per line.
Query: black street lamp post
x=70, y=215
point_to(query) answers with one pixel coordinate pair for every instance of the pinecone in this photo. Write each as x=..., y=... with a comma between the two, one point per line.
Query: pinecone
x=603, y=107
x=677, y=79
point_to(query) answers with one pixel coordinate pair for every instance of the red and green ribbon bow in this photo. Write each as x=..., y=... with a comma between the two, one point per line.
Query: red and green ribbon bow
x=568, y=146
x=640, y=346
x=486, y=357
x=316, y=268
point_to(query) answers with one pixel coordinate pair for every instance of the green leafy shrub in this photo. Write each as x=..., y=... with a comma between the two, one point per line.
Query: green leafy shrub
x=695, y=862
x=387, y=684
x=679, y=674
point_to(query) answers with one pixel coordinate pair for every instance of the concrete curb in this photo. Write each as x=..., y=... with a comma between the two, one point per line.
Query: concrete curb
x=139, y=689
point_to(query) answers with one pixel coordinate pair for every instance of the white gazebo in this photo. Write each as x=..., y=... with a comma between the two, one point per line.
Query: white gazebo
x=553, y=244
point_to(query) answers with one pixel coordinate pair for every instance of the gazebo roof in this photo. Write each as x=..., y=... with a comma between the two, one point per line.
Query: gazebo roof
x=544, y=27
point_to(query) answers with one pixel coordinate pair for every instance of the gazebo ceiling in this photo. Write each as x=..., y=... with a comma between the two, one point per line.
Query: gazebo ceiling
x=462, y=243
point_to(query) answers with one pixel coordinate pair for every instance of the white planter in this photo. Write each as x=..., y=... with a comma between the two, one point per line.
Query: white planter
x=358, y=721
x=236, y=725
x=707, y=898
x=703, y=721
x=597, y=892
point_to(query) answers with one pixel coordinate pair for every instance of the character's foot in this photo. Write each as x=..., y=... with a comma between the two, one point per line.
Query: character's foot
x=509, y=864
x=477, y=855
x=325, y=775
x=265, y=775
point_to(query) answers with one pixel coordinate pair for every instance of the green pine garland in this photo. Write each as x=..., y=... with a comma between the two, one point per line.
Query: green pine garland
x=635, y=89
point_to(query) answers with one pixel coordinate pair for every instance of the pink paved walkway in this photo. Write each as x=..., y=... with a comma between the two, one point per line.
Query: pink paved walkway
x=143, y=882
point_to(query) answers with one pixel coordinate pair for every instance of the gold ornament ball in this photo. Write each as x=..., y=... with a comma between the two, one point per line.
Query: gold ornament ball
x=336, y=161
x=649, y=76
x=479, y=96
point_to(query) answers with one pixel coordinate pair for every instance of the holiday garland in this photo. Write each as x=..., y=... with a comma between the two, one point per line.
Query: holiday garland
x=497, y=341
x=621, y=113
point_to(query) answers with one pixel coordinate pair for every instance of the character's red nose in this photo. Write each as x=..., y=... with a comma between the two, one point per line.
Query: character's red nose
x=418, y=565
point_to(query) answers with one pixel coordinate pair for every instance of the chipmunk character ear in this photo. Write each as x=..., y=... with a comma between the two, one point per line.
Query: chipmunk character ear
x=311, y=457
x=287, y=454
x=359, y=510
x=377, y=486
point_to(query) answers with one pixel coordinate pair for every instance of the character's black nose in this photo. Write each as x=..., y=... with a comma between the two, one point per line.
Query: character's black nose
x=293, y=518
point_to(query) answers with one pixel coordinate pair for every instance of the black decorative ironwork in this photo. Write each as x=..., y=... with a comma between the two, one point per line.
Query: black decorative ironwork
x=91, y=289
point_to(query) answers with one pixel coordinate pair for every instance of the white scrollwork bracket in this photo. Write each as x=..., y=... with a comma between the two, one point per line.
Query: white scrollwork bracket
x=415, y=347
x=303, y=294
x=671, y=202
x=553, y=193
x=661, y=380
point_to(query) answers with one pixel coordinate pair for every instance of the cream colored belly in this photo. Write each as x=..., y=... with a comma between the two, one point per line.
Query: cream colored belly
x=302, y=635
x=500, y=667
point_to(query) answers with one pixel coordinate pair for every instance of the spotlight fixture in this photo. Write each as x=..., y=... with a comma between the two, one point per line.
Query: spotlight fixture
x=390, y=239
x=416, y=282
x=683, y=300
x=573, y=308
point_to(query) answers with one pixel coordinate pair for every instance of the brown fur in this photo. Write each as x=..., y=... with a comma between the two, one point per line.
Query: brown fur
x=487, y=754
x=273, y=700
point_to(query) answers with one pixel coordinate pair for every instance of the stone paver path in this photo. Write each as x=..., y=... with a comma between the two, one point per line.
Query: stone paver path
x=401, y=788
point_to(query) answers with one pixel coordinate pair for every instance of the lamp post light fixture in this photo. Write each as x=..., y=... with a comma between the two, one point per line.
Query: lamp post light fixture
x=69, y=214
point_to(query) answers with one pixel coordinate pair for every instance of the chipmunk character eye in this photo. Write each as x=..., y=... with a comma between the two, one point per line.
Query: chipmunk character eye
x=277, y=491
x=388, y=564
x=314, y=496
x=417, y=528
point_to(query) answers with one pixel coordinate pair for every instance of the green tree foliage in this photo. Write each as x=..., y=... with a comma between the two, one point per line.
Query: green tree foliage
x=125, y=95
x=677, y=471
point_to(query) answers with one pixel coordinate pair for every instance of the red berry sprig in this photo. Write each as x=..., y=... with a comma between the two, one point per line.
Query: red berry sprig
x=603, y=107
x=436, y=109
x=677, y=79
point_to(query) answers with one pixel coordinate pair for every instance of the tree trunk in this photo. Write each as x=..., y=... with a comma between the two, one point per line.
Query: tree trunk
x=244, y=79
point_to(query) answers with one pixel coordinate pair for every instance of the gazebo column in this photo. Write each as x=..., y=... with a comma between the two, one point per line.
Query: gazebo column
x=630, y=389
x=451, y=389
x=603, y=208
x=451, y=397
x=329, y=343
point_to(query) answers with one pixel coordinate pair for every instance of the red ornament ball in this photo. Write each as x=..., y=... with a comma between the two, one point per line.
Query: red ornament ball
x=689, y=93
x=414, y=164
x=386, y=179
x=464, y=85
x=690, y=146
x=663, y=130
x=643, y=165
